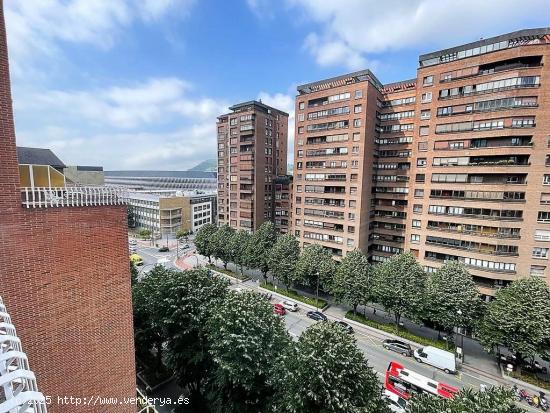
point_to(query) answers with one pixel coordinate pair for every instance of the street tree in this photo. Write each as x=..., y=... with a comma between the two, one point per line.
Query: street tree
x=493, y=400
x=400, y=285
x=145, y=233
x=237, y=248
x=518, y=318
x=283, y=258
x=182, y=233
x=315, y=265
x=134, y=272
x=246, y=339
x=452, y=297
x=352, y=283
x=259, y=247
x=325, y=372
x=203, y=240
x=220, y=244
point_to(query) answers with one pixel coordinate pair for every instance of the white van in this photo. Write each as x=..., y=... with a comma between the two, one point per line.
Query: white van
x=433, y=356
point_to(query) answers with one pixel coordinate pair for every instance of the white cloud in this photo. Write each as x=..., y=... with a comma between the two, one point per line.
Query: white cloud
x=36, y=27
x=154, y=124
x=352, y=29
x=284, y=102
x=157, y=101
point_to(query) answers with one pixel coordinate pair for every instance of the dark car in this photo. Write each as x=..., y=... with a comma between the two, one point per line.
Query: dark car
x=398, y=346
x=345, y=326
x=316, y=315
x=164, y=249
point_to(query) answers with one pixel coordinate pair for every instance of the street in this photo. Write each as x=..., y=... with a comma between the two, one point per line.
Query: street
x=369, y=342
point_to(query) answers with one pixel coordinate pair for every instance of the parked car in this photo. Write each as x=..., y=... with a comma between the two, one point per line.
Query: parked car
x=398, y=346
x=289, y=305
x=395, y=403
x=317, y=316
x=132, y=242
x=164, y=249
x=345, y=326
x=279, y=309
x=435, y=357
x=185, y=246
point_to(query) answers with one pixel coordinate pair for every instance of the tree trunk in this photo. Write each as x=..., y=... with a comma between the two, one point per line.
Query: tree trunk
x=158, y=346
x=225, y=265
x=354, y=309
x=397, y=320
x=209, y=260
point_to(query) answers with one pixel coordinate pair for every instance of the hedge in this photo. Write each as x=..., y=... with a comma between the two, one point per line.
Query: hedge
x=295, y=296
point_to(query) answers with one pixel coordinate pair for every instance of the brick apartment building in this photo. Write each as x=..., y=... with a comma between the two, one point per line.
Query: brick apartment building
x=252, y=153
x=64, y=276
x=454, y=164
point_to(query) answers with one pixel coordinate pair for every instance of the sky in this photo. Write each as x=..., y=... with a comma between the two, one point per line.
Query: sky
x=138, y=84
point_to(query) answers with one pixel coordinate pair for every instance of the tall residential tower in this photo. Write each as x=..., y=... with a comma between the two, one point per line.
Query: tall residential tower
x=252, y=153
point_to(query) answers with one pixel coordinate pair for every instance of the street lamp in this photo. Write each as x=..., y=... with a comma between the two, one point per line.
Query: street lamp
x=317, y=294
x=459, y=312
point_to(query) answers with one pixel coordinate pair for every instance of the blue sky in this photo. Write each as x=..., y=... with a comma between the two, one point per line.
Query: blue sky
x=137, y=84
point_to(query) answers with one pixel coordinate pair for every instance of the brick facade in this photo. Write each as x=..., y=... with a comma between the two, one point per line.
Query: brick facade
x=64, y=275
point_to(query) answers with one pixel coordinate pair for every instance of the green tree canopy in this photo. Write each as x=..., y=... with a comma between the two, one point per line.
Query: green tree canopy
x=353, y=282
x=246, y=339
x=401, y=286
x=283, y=258
x=260, y=246
x=203, y=240
x=314, y=260
x=237, y=247
x=145, y=233
x=452, y=297
x=519, y=318
x=326, y=373
x=493, y=400
x=220, y=243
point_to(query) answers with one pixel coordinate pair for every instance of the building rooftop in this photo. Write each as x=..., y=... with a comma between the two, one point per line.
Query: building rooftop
x=355, y=77
x=256, y=104
x=38, y=156
x=399, y=86
x=482, y=46
x=162, y=174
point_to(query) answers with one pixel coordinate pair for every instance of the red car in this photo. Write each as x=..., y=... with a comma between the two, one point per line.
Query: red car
x=279, y=309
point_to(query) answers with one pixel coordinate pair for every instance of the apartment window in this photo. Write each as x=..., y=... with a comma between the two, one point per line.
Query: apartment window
x=358, y=94
x=422, y=146
x=298, y=188
x=420, y=178
x=546, y=180
x=353, y=190
x=421, y=162
x=415, y=238
x=417, y=208
x=537, y=270
x=301, y=105
x=300, y=153
x=297, y=233
x=301, y=117
x=355, y=150
x=416, y=223
x=356, y=137
x=355, y=164
x=300, y=142
x=351, y=216
x=542, y=235
x=352, y=203
x=419, y=193
x=298, y=211
x=298, y=222
x=357, y=109
x=426, y=97
x=351, y=229
x=350, y=242
x=356, y=123
x=539, y=252
x=300, y=129
x=425, y=114
x=424, y=130
x=428, y=80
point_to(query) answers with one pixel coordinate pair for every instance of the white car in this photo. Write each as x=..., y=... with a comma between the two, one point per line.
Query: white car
x=395, y=403
x=289, y=305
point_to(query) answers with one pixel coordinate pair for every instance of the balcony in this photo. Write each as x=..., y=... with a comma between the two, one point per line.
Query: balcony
x=77, y=196
x=475, y=247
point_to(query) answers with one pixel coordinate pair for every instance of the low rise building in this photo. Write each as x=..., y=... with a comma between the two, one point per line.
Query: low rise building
x=166, y=212
x=152, y=180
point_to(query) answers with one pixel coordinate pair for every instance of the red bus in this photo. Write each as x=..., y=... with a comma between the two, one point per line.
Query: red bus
x=403, y=382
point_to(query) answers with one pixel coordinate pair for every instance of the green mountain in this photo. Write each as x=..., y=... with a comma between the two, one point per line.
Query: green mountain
x=208, y=165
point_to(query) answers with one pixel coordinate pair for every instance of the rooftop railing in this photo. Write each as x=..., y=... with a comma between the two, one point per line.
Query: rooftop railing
x=77, y=196
x=18, y=388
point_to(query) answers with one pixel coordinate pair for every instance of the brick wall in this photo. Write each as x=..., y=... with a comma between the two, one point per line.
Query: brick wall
x=64, y=274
